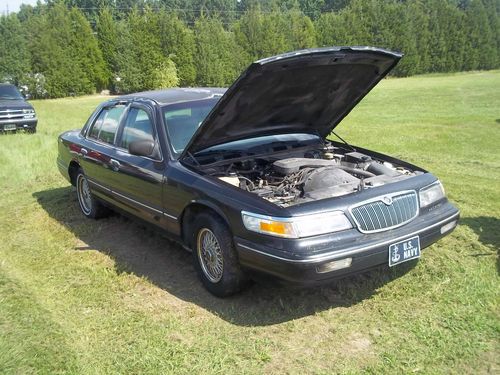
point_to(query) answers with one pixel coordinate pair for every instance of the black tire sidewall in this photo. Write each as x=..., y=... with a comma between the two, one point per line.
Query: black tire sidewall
x=232, y=276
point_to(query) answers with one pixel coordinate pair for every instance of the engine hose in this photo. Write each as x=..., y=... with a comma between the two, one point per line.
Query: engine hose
x=379, y=169
x=359, y=172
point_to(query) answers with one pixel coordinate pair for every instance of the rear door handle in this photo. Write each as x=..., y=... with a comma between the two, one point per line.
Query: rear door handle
x=115, y=164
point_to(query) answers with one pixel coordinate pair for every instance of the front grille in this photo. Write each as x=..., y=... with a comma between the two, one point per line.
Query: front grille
x=380, y=214
x=13, y=114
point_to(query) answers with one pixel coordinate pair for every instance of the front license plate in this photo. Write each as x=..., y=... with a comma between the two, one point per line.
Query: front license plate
x=403, y=251
x=9, y=127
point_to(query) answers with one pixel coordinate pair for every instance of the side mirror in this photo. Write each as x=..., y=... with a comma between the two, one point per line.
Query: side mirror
x=27, y=96
x=141, y=148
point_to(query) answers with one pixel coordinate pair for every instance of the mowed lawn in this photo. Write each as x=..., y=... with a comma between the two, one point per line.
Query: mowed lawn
x=110, y=296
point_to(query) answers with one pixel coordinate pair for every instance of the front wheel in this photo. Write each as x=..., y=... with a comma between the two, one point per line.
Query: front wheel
x=89, y=205
x=215, y=258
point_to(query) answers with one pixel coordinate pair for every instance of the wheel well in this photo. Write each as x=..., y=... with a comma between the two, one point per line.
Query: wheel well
x=72, y=170
x=189, y=216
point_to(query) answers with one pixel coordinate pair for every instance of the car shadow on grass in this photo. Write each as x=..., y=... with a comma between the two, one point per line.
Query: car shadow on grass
x=487, y=228
x=144, y=252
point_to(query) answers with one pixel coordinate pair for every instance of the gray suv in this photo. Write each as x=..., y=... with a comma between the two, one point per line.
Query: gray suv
x=15, y=112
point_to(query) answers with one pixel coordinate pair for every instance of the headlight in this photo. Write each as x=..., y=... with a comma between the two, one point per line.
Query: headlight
x=431, y=194
x=28, y=111
x=296, y=227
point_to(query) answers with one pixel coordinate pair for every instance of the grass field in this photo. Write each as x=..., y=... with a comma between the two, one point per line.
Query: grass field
x=109, y=296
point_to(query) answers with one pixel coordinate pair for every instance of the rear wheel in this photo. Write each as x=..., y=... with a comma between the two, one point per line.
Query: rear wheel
x=214, y=256
x=89, y=205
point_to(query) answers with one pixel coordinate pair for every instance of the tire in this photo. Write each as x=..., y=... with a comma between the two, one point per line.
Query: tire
x=215, y=258
x=89, y=205
x=31, y=130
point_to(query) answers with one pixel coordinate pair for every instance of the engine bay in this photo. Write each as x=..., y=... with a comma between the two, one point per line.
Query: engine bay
x=309, y=175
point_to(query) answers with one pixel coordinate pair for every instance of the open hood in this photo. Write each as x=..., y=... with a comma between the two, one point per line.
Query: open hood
x=307, y=91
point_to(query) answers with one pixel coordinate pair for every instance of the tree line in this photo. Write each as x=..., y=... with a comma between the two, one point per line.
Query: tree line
x=75, y=47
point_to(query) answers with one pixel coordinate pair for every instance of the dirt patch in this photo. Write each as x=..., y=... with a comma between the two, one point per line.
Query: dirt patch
x=358, y=343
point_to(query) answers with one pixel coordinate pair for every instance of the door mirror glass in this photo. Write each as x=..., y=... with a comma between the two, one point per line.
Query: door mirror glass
x=141, y=148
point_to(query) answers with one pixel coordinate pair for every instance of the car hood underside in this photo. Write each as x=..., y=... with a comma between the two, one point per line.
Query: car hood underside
x=308, y=91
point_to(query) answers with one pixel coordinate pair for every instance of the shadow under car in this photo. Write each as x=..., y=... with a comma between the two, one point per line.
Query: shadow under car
x=139, y=250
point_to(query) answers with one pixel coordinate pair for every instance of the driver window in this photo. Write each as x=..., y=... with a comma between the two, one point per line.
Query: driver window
x=138, y=127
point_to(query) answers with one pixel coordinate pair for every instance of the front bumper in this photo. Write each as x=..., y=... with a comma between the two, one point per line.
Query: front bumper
x=366, y=250
x=20, y=124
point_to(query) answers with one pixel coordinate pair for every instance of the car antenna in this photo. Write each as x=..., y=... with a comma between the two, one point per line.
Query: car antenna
x=343, y=140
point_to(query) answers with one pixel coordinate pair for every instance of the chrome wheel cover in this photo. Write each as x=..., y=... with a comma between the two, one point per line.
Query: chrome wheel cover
x=84, y=194
x=210, y=255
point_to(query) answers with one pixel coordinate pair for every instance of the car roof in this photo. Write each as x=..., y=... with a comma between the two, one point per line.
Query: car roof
x=177, y=95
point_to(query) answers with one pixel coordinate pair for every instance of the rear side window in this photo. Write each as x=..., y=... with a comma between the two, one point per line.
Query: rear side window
x=138, y=127
x=110, y=124
x=106, y=124
x=94, y=131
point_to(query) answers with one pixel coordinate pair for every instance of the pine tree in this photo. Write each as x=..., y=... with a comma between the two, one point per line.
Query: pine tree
x=177, y=42
x=14, y=53
x=86, y=52
x=480, y=38
x=219, y=58
x=107, y=37
x=299, y=30
x=141, y=63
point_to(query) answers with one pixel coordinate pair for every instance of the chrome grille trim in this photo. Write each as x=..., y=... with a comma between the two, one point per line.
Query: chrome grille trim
x=13, y=114
x=373, y=215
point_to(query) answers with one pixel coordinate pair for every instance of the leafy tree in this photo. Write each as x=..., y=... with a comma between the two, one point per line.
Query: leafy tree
x=14, y=53
x=299, y=30
x=219, y=58
x=141, y=63
x=85, y=50
x=146, y=44
x=416, y=11
x=107, y=37
x=177, y=42
x=482, y=51
x=265, y=34
x=65, y=52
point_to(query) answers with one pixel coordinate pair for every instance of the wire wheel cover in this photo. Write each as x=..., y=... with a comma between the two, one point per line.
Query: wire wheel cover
x=84, y=195
x=210, y=255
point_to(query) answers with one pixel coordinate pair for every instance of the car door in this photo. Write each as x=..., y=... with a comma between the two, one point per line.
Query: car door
x=98, y=149
x=137, y=180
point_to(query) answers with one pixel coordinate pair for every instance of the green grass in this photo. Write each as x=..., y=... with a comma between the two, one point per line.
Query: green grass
x=109, y=296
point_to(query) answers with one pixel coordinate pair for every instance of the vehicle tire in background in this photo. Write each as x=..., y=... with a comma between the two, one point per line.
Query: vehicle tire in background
x=214, y=256
x=89, y=205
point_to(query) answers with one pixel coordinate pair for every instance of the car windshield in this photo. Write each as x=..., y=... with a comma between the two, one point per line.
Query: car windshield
x=9, y=92
x=257, y=145
x=183, y=119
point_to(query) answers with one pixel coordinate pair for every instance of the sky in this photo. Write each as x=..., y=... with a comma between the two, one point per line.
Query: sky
x=13, y=5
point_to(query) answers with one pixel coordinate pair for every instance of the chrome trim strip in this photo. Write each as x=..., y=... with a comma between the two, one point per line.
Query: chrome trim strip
x=61, y=164
x=137, y=202
x=99, y=185
x=132, y=200
x=170, y=216
x=380, y=199
x=341, y=254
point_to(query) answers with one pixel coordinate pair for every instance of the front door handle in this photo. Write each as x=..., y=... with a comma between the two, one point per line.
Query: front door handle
x=115, y=164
